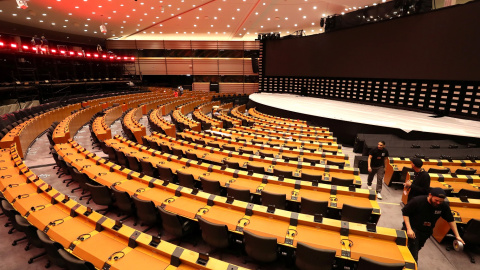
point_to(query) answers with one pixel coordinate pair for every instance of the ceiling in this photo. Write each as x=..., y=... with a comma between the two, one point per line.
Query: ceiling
x=177, y=19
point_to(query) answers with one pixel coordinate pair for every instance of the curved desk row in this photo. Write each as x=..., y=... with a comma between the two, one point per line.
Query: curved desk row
x=282, y=134
x=224, y=117
x=85, y=233
x=285, y=140
x=238, y=112
x=256, y=183
x=200, y=114
x=294, y=130
x=395, y=167
x=254, y=113
x=385, y=245
x=25, y=133
x=130, y=122
x=178, y=117
x=277, y=150
x=452, y=184
x=216, y=155
x=159, y=124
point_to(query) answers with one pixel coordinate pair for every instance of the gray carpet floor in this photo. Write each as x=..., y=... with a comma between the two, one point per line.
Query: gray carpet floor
x=432, y=257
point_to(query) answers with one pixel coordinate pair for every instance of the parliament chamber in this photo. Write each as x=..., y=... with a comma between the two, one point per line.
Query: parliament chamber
x=136, y=148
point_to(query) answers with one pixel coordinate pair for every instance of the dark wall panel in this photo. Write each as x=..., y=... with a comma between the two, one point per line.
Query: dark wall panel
x=440, y=45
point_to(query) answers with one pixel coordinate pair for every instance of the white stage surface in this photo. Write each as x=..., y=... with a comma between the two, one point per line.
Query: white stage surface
x=405, y=120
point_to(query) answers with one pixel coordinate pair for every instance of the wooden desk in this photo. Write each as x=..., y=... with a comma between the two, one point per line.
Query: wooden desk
x=64, y=222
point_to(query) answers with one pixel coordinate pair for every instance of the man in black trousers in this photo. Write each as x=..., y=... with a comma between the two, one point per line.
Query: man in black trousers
x=420, y=215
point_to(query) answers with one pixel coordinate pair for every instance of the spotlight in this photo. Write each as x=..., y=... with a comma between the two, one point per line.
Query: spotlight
x=22, y=4
x=103, y=28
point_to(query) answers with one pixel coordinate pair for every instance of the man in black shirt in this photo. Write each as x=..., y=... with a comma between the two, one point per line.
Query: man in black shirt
x=420, y=216
x=421, y=180
x=377, y=159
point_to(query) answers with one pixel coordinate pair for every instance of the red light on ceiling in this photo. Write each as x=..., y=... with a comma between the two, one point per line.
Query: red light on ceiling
x=79, y=54
x=104, y=56
x=125, y=58
x=63, y=52
x=44, y=50
x=132, y=58
x=71, y=53
x=25, y=47
x=111, y=57
x=2, y=44
x=95, y=55
x=119, y=58
x=13, y=45
x=88, y=55
x=53, y=51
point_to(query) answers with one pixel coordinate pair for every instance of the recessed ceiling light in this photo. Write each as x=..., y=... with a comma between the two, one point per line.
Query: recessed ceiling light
x=41, y=21
x=28, y=18
x=299, y=8
x=49, y=7
x=44, y=14
x=14, y=14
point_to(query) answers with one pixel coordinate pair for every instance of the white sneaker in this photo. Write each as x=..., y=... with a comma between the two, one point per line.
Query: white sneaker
x=379, y=196
x=369, y=187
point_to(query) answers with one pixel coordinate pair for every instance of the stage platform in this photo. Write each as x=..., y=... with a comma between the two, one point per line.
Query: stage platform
x=346, y=119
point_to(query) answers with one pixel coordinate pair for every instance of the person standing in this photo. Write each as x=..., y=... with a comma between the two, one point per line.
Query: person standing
x=45, y=45
x=421, y=180
x=420, y=215
x=377, y=160
x=38, y=43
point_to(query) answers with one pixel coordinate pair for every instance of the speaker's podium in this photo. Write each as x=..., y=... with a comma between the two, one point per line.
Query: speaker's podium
x=214, y=87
